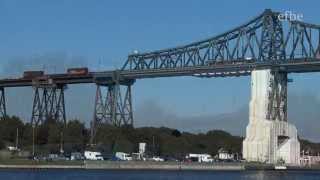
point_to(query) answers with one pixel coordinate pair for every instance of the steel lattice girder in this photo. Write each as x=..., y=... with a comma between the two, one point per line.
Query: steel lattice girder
x=113, y=105
x=48, y=104
x=277, y=103
x=263, y=39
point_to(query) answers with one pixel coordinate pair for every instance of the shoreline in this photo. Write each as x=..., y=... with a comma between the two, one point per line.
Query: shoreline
x=175, y=166
x=165, y=166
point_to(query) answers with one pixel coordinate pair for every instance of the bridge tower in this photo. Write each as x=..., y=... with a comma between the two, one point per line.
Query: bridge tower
x=48, y=104
x=113, y=105
x=3, y=112
x=272, y=38
x=269, y=136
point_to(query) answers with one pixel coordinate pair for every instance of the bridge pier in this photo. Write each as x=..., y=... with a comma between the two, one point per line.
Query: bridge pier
x=269, y=136
x=113, y=105
x=3, y=111
x=48, y=103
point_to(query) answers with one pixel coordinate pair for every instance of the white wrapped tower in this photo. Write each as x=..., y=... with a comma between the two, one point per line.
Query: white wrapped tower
x=269, y=137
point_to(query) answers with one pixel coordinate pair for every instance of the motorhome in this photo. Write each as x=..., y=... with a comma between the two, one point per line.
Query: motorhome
x=123, y=156
x=199, y=157
x=90, y=155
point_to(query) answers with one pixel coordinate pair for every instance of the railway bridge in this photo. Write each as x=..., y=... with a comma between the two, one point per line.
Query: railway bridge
x=266, y=47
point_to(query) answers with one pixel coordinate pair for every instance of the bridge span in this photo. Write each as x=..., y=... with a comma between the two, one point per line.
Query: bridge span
x=265, y=43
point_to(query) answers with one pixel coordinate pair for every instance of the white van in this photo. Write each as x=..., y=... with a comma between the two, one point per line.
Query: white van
x=90, y=155
x=123, y=156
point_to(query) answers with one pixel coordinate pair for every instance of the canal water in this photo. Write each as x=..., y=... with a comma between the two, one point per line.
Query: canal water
x=155, y=175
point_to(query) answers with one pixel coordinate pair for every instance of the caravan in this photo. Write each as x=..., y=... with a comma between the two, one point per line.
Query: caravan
x=90, y=155
x=200, y=158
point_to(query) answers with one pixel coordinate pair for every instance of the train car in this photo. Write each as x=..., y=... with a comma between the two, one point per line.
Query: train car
x=78, y=71
x=32, y=74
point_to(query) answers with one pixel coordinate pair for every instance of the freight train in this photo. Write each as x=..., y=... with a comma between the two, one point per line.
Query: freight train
x=32, y=74
x=78, y=71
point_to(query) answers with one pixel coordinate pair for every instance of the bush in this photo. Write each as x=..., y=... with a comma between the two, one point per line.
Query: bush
x=2, y=145
x=176, y=133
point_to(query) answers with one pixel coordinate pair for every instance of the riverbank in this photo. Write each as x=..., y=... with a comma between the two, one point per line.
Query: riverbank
x=142, y=165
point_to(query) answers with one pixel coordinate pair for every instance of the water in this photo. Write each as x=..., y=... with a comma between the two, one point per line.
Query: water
x=155, y=175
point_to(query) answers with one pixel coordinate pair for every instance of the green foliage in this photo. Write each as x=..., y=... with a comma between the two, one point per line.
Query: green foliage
x=176, y=133
x=2, y=145
x=76, y=136
x=109, y=139
x=307, y=146
x=8, y=128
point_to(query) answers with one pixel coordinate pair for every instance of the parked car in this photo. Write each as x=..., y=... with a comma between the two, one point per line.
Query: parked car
x=76, y=156
x=157, y=159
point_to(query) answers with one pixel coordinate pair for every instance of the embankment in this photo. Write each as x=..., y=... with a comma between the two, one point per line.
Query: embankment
x=145, y=165
x=141, y=165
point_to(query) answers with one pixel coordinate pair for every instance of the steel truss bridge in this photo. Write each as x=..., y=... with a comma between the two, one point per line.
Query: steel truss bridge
x=265, y=42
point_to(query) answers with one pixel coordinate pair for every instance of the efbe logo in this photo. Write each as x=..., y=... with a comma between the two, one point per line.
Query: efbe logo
x=290, y=16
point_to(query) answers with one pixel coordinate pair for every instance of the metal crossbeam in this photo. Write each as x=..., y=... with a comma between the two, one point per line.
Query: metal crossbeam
x=277, y=104
x=113, y=105
x=48, y=104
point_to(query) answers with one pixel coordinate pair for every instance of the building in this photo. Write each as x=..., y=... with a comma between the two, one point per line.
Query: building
x=142, y=148
x=224, y=155
x=307, y=159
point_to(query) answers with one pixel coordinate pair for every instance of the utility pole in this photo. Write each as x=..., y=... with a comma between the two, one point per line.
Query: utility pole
x=33, y=141
x=61, y=143
x=153, y=146
x=17, y=139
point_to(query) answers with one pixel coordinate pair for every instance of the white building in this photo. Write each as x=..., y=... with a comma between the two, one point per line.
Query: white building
x=225, y=155
x=142, y=148
x=308, y=160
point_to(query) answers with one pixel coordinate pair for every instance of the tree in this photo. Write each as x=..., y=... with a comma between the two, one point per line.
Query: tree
x=8, y=128
x=2, y=145
x=75, y=136
x=26, y=139
x=176, y=133
x=109, y=139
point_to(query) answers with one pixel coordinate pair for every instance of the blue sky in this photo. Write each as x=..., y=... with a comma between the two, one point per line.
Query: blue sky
x=105, y=32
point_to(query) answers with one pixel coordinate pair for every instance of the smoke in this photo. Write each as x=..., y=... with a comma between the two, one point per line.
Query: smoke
x=303, y=111
x=57, y=62
x=19, y=100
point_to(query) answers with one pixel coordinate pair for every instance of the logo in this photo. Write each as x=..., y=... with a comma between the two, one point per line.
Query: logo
x=290, y=16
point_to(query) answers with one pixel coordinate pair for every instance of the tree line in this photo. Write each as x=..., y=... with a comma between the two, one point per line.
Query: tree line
x=162, y=141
